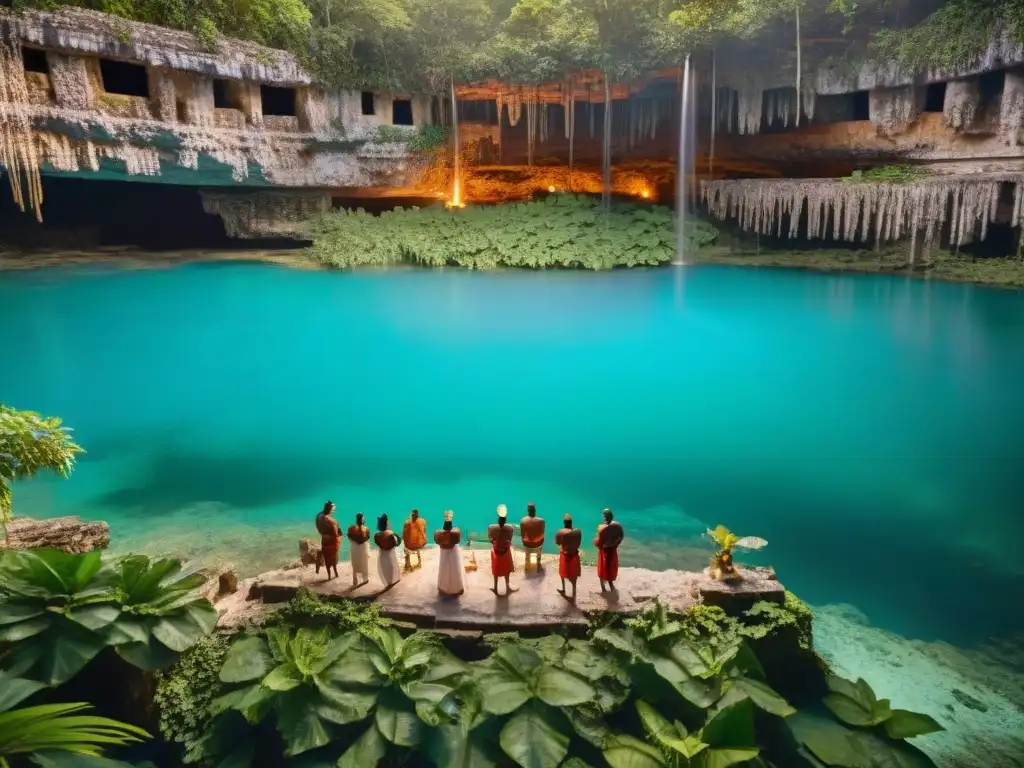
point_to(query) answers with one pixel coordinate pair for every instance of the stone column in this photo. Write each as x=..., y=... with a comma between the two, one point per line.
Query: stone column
x=195, y=96
x=247, y=97
x=1011, y=111
x=163, y=95
x=311, y=109
x=70, y=81
x=963, y=98
x=893, y=109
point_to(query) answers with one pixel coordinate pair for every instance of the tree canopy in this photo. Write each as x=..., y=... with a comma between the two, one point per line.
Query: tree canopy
x=422, y=45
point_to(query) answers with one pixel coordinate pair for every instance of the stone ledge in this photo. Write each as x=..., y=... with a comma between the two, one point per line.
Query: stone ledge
x=70, y=534
x=534, y=609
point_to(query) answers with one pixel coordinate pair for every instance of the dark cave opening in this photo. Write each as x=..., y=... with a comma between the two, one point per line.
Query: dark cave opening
x=84, y=214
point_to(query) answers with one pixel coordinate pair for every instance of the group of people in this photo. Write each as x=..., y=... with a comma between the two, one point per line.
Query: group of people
x=451, y=572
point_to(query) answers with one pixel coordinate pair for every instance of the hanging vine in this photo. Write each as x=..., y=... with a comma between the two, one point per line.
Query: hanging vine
x=17, y=144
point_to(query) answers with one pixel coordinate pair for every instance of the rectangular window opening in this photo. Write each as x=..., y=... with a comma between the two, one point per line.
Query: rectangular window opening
x=401, y=112
x=34, y=60
x=369, y=108
x=124, y=79
x=935, y=97
x=278, y=101
x=220, y=94
x=861, y=105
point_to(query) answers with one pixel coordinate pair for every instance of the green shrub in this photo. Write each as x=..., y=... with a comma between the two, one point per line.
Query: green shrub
x=887, y=174
x=184, y=695
x=428, y=138
x=561, y=231
x=392, y=134
x=306, y=609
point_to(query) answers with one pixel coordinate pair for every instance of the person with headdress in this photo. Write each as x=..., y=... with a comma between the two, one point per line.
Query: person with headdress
x=330, y=539
x=414, y=534
x=359, y=548
x=387, y=542
x=451, y=580
x=568, y=541
x=531, y=529
x=502, y=563
x=609, y=537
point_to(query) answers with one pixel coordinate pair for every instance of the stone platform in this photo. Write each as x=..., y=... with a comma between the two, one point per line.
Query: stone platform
x=536, y=606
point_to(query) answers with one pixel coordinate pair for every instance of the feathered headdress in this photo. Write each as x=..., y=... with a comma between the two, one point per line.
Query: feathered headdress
x=448, y=515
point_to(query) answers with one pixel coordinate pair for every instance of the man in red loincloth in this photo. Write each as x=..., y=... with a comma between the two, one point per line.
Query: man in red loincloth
x=330, y=539
x=609, y=537
x=502, y=563
x=568, y=541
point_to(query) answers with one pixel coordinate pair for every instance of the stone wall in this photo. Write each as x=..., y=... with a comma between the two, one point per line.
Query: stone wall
x=344, y=109
x=264, y=214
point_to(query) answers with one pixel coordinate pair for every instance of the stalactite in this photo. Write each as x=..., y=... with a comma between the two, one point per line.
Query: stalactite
x=882, y=212
x=798, y=66
x=808, y=98
x=17, y=145
x=750, y=97
x=714, y=112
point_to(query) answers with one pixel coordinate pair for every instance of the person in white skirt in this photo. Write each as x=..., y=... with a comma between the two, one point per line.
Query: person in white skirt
x=451, y=580
x=387, y=540
x=359, y=538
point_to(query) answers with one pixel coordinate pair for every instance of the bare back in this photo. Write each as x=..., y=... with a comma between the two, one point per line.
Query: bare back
x=500, y=535
x=569, y=540
x=532, y=530
x=447, y=539
x=609, y=535
x=357, y=534
x=385, y=540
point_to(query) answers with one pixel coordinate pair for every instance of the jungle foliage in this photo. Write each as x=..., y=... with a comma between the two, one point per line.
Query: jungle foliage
x=657, y=690
x=29, y=444
x=560, y=231
x=422, y=45
x=59, y=610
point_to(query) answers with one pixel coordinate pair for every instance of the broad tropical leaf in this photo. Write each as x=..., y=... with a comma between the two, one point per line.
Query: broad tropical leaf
x=534, y=737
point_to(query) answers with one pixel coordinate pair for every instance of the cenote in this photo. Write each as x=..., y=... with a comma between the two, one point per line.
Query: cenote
x=869, y=427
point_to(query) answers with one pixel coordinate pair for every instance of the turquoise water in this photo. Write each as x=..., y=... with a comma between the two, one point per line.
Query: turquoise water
x=871, y=428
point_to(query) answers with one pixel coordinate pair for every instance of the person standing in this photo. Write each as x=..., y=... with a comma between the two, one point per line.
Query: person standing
x=568, y=541
x=387, y=561
x=414, y=534
x=330, y=539
x=359, y=549
x=502, y=563
x=451, y=581
x=531, y=529
x=609, y=537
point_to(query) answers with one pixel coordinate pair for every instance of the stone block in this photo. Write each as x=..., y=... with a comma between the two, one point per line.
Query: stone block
x=163, y=95
x=69, y=78
x=229, y=118
x=69, y=534
x=281, y=123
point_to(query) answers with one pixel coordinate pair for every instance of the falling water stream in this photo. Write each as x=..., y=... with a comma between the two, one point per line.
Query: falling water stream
x=684, y=169
x=456, y=200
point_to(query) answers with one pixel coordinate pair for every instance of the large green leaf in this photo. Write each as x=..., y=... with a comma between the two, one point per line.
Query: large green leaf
x=344, y=707
x=13, y=611
x=246, y=660
x=852, y=711
x=56, y=655
x=150, y=655
x=880, y=752
x=283, y=677
x=732, y=727
x=366, y=752
x=628, y=752
x=903, y=724
x=182, y=629
x=14, y=690
x=534, y=737
x=763, y=696
x=452, y=746
x=562, y=689
x=827, y=740
x=18, y=632
x=299, y=723
x=94, y=616
x=664, y=734
x=399, y=726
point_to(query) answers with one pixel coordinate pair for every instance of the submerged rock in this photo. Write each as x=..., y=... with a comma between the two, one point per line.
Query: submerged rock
x=969, y=701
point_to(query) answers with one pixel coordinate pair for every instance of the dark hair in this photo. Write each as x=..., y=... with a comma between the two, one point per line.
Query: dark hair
x=608, y=515
x=359, y=518
x=447, y=525
x=531, y=510
x=382, y=523
x=567, y=521
x=415, y=512
x=327, y=507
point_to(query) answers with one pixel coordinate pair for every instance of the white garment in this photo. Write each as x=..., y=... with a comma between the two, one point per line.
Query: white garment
x=387, y=567
x=361, y=559
x=451, y=578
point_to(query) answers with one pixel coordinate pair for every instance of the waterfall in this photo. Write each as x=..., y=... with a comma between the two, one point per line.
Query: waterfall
x=456, y=201
x=606, y=188
x=684, y=163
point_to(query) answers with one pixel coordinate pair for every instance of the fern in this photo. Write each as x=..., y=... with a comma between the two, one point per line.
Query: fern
x=560, y=232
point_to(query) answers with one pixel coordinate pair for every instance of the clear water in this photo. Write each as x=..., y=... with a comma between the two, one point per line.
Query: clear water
x=871, y=428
